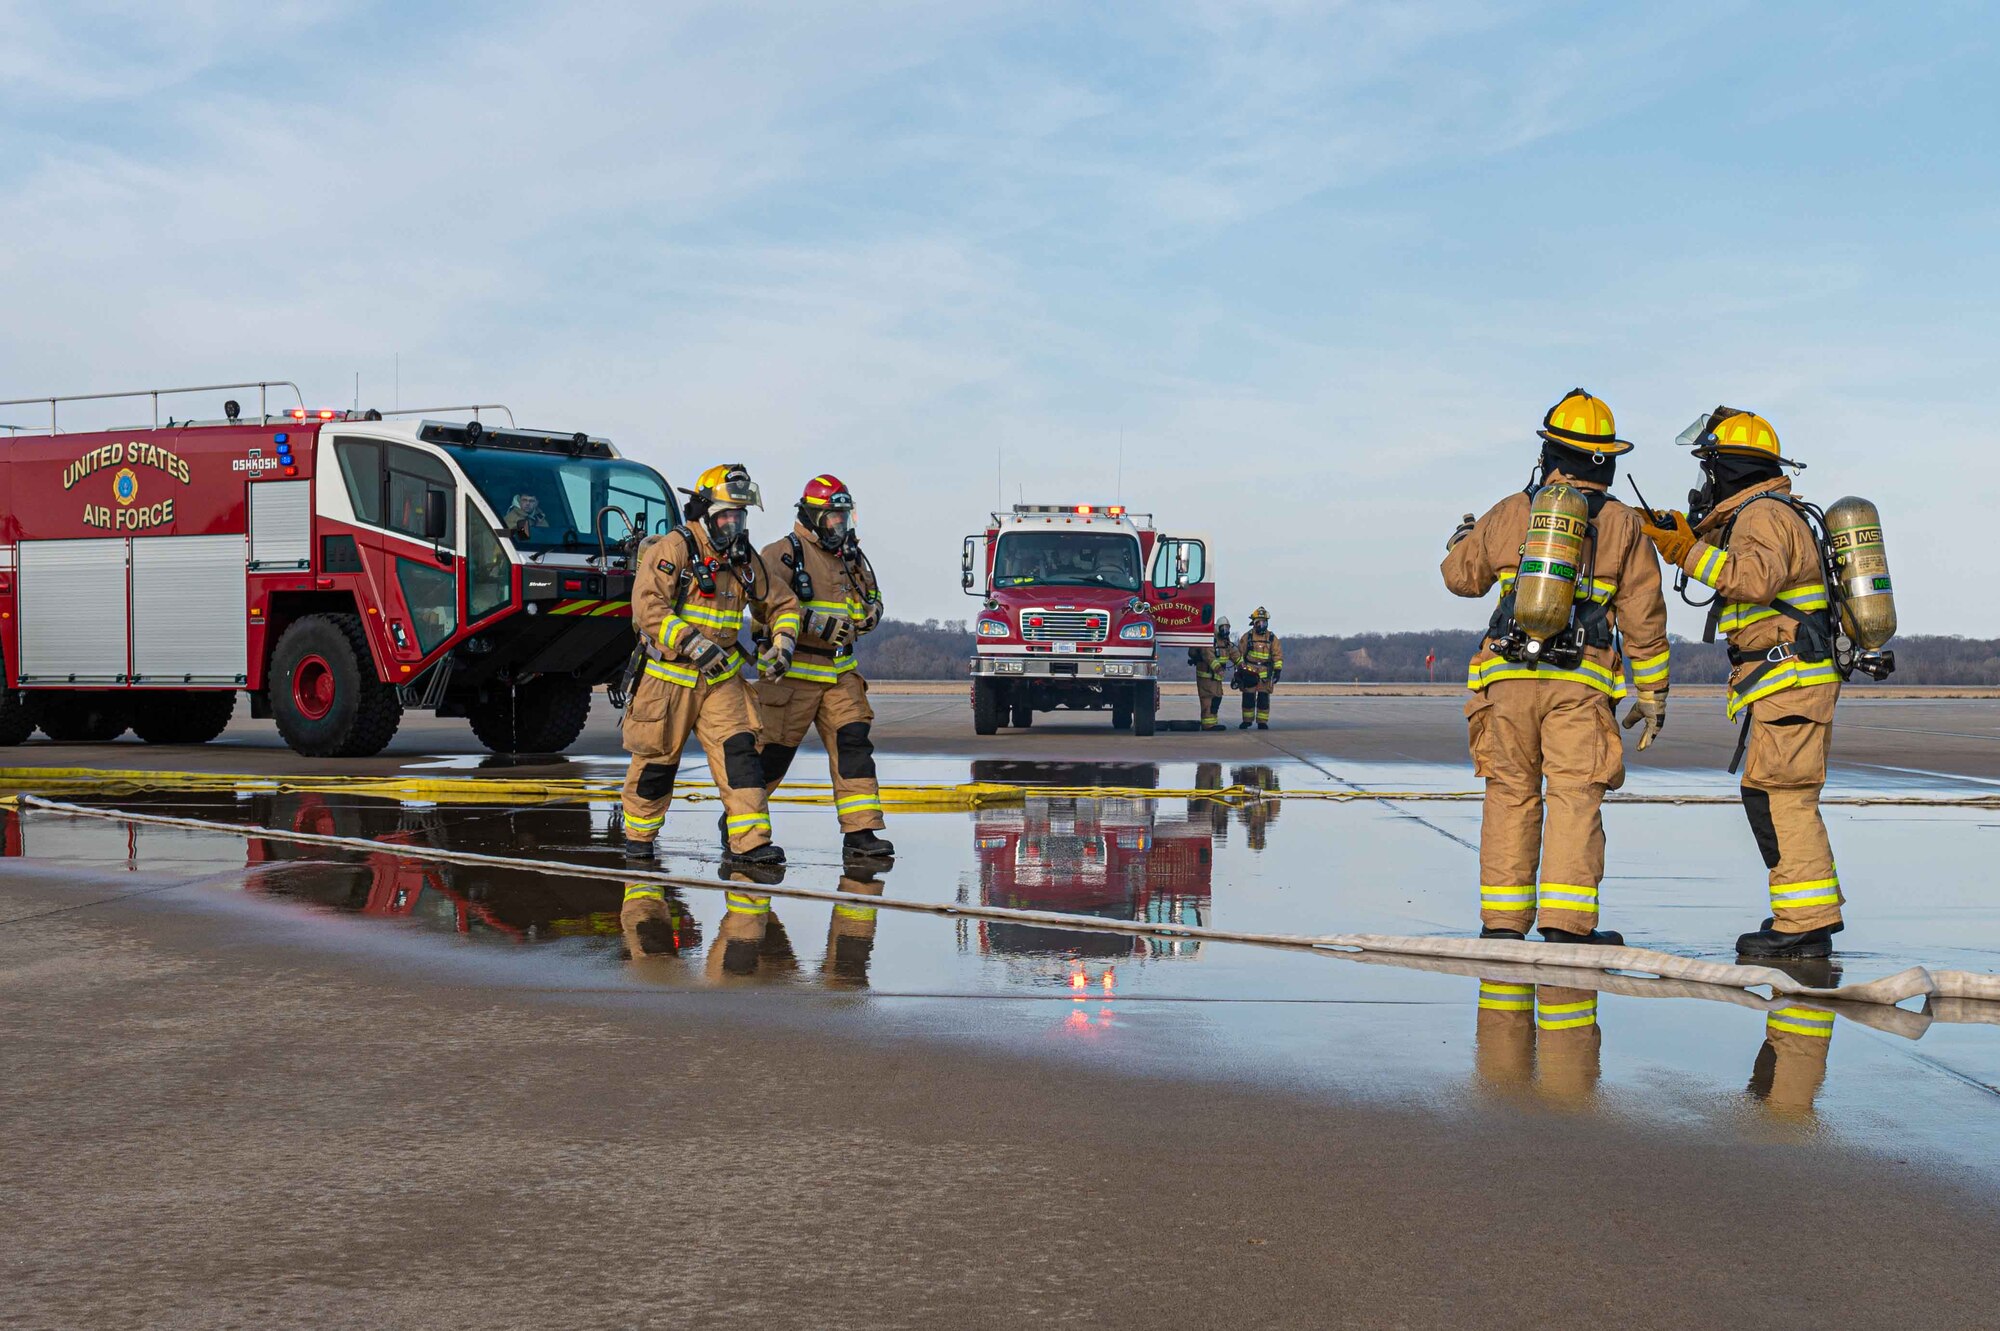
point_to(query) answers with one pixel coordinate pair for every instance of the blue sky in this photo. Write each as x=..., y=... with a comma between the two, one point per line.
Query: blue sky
x=1321, y=266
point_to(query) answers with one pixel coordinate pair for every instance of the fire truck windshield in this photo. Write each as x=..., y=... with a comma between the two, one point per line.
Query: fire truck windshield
x=1067, y=559
x=547, y=501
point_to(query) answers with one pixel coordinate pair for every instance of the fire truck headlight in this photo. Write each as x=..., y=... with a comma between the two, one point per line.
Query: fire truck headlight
x=992, y=626
x=1139, y=632
x=1117, y=667
x=1009, y=667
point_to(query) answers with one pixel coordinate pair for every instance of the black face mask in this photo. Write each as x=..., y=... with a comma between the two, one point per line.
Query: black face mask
x=1577, y=464
x=1723, y=477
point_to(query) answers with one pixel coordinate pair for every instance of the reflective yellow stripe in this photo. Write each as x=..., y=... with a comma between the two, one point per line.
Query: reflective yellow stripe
x=1710, y=565
x=1791, y=674
x=1801, y=1021
x=1652, y=671
x=856, y=803
x=1507, y=998
x=1507, y=898
x=674, y=631
x=1492, y=671
x=743, y=822
x=1738, y=615
x=1602, y=590
x=730, y=620
x=1565, y=1016
x=742, y=903
x=819, y=672
x=1569, y=896
x=672, y=672
x=641, y=892
x=640, y=823
x=861, y=914
x=786, y=624
x=1798, y=896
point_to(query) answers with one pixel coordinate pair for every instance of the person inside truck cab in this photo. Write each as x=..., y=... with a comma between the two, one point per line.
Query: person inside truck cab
x=1114, y=565
x=524, y=515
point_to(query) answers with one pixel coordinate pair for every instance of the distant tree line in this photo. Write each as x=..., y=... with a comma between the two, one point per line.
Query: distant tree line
x=940, y=649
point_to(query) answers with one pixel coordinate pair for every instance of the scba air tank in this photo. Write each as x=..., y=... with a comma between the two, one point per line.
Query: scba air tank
x=1551, y=559
x=1868, y=602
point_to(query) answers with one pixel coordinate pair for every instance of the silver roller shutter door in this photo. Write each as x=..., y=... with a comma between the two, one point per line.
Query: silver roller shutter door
x=73, y=619
x=188, y=610
x=280, y=524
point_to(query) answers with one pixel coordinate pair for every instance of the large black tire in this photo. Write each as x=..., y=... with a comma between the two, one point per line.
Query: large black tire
x=545, y=715
x=1121, y=713
x=16, y=721
x=985, y=706
x=324, y=694
x=76, y=717
x=182, y=716
x=1145, y=706
x=1024, y=715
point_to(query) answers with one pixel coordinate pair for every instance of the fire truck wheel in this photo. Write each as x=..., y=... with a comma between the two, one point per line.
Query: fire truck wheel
x=1024, y=715
x=79, y=717
x=179, y=717
x=16, y=721
x=324, y=694
x=1145, y=706
x=985, y=706
x=1121, y=713
x=545, y=715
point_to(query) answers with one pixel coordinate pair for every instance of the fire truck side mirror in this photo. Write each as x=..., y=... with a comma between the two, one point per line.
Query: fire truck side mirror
x=965, y=566
x=437, y=515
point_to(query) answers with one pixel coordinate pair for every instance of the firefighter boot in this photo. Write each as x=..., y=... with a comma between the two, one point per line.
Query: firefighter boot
x=1595, y=938
x=1769, y=943
x=638, y=850
x=865, y=844
x=1513, y=935
x=1244, y=724
x=766, y=856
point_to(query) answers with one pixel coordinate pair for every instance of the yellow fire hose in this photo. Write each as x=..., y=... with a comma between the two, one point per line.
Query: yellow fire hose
x=940, y=797
x=1604, y=967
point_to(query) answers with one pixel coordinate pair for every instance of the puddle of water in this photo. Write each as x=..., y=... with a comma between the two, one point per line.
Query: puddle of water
x=1684, y=879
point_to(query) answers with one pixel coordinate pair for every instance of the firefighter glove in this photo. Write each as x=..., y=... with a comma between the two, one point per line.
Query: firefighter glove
x=1460, y=532
x=1669, y=532
x=1277, y=674
x=1650, y=708
x=776, y=659
x=709, y=660
x=834, y=630
x=871, y=618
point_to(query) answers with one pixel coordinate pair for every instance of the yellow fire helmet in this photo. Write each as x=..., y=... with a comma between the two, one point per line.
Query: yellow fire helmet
x=1260, y=615
x=725, y=485
x=1733, y=432
x=1583, y=422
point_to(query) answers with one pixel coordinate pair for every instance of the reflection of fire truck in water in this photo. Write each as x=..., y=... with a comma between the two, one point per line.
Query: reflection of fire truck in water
x=1119, y=857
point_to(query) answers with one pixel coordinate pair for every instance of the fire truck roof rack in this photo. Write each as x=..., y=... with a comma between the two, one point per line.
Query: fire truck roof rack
x=472, y=434
x=474, y=409
x=262, y=386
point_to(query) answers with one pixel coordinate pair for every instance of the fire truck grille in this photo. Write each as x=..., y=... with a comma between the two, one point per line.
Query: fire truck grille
x=1065, y=625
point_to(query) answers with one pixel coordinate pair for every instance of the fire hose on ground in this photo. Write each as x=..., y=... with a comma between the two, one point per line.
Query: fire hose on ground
x=1618, y=969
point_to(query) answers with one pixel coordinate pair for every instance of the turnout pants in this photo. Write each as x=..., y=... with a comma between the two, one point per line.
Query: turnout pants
x=840, y=713
x=1791, y=1065
x=1257, y=705
x=850, y=936
x=1539, y=1037
x=1211, y=704
x=1784, y=768
x=723, y=717
x=1541, y=852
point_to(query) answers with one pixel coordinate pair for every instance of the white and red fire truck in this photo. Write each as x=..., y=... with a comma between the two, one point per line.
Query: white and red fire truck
x=337, y=566
x=1079, y=598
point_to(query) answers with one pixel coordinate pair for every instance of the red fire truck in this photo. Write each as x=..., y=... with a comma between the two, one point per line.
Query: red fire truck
x=337, y=566
x=1078, y=600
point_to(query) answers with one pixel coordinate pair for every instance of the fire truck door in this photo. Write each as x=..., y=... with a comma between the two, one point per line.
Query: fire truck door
x=74, y=619
x=189, y=618
x=1181, y=592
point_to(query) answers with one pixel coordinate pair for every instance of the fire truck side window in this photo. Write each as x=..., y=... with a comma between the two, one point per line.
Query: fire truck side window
x=361, y=468
x=411, y=476
x=490, y=580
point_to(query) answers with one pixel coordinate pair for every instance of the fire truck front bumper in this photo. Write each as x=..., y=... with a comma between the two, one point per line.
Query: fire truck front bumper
x=1095, y=669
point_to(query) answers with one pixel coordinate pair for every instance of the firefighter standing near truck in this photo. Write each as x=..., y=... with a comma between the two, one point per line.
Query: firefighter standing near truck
x=1755, y=542
x=688, y=602
x=820, y=559
x=1212, y=665
x=1542, y=707
x=1260, y=662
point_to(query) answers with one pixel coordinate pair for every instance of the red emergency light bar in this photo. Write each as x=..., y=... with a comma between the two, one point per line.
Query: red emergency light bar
x=323, y=414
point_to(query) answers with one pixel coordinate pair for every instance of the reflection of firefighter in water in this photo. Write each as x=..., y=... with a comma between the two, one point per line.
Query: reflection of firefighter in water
x=1208, y=776
x=850, y=931
x=751, y=942
x=1257, y=814
x=655, y=922
x=1538, y=1039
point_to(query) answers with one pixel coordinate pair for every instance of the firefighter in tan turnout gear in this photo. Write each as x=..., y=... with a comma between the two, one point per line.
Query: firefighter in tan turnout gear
x=1769, y=556
x=821, y=560
x=1260, y=663
x=1212, y=665
x=688, y=604
x=1579, y=590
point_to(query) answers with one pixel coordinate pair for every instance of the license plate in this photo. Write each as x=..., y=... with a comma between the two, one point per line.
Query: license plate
x=1066, y=648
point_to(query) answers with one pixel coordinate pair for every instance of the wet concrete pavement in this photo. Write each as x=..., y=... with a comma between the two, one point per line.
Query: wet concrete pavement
x=410, y=1089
